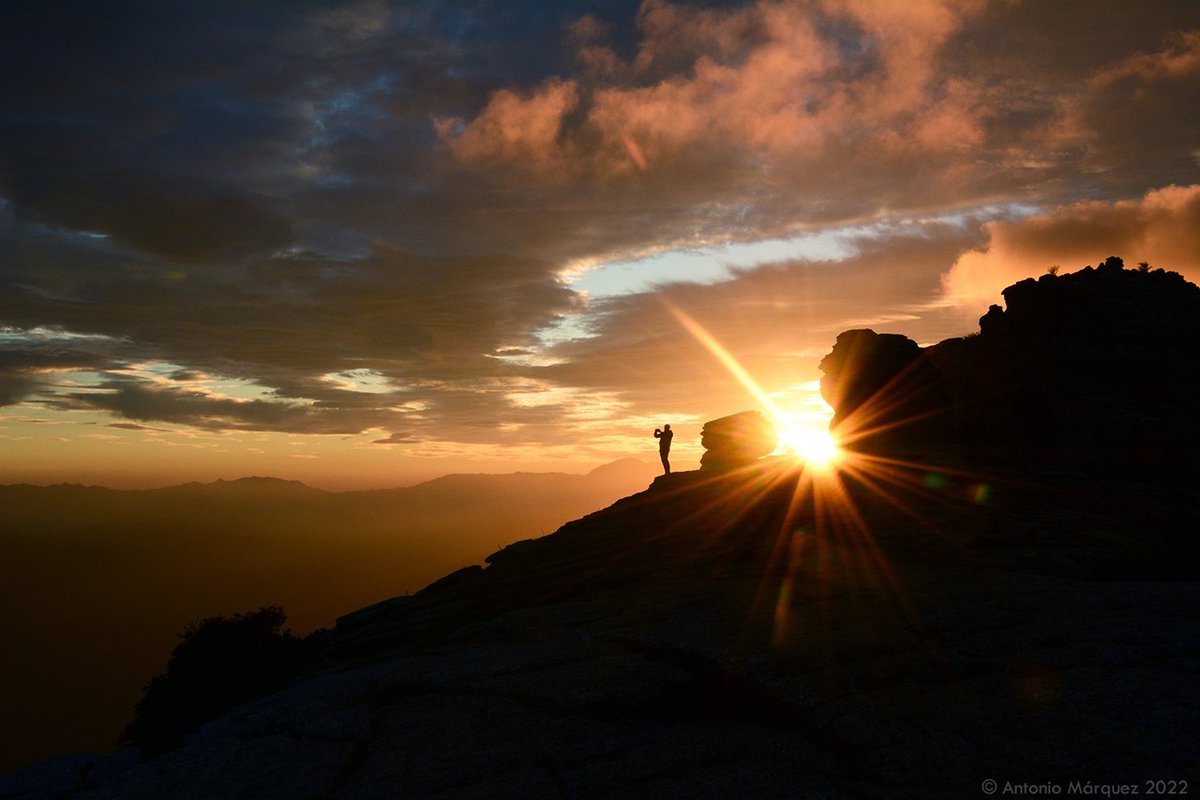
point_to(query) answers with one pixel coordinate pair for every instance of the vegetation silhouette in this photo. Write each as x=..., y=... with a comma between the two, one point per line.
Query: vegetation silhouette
x=221, y=662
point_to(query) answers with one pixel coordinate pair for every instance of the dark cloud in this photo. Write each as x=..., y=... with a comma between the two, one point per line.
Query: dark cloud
x=1138, y=118
x=141, y=401
x=15, y=387
x=131, y=426
x=27, y=364
x=186, y=219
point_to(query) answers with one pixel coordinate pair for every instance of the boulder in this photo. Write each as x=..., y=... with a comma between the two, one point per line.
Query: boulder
x=885, y=393
x=736, y=440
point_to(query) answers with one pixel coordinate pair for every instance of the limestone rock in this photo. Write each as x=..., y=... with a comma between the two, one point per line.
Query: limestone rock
x=736, y=440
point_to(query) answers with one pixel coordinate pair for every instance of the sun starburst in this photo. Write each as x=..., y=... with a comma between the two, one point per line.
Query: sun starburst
x=834, y=491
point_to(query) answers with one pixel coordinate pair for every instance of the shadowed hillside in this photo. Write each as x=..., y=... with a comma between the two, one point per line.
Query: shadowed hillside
x=108, y=578
x=745, y=633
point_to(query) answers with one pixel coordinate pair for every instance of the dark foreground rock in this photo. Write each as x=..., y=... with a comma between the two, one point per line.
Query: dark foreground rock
x=746, y=634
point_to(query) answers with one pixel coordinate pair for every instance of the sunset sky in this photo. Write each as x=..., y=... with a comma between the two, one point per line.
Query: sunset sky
x=368, y=243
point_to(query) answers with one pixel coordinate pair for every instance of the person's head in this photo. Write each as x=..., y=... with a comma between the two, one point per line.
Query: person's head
x=666, y=427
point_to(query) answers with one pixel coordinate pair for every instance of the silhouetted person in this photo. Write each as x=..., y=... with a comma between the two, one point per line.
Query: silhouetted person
x=664, y=437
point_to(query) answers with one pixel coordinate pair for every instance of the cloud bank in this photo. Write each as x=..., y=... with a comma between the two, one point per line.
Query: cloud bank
x=1162, y=228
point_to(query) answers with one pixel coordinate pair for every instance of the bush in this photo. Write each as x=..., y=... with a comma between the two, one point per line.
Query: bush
x=219, y=663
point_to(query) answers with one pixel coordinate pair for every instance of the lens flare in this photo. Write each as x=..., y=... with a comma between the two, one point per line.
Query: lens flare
x=812, y=444
x=816, y=446
x=825, y=541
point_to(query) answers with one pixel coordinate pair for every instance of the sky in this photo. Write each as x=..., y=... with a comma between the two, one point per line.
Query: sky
x=367, y=243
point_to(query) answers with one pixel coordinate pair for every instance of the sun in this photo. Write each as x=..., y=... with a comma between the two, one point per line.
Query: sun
x=814, y=445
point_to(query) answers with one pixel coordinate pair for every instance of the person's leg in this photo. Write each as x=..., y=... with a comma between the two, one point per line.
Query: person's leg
x=666, y=464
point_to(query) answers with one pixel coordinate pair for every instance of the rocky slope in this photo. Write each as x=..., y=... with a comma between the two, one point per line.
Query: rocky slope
x=750, y=633
x=109, y=578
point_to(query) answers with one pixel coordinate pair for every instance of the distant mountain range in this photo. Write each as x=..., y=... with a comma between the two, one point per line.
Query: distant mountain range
x=99, y=582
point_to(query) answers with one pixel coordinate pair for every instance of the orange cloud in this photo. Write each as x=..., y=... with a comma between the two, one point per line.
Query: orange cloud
x=765, y=81
x=516, y=128
x=1162, y=228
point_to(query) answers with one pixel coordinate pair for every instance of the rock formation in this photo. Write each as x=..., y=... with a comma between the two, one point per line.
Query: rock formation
x=1095, y=370
x=736, y=440
x=883, y=391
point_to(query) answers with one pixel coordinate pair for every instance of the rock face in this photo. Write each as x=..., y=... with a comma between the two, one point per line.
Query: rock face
x=883, y=390
x=736, y=440
x=1096, y=370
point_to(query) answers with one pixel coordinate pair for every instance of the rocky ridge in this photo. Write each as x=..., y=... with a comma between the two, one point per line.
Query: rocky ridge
x=1093, y=370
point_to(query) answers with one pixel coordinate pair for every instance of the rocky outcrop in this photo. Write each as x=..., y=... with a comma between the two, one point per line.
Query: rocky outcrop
x=1096, y=370
x=885, y=395
x=736, y=440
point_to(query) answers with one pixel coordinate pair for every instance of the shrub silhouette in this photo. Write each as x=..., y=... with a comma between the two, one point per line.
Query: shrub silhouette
x=219, y=663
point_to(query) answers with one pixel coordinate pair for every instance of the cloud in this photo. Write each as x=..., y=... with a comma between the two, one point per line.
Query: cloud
x=397, y=438
x=132, y=426
x=764, y=80
x=1162, y=228
x=29, y=360
x=516, y=128
x=144, y=402
x=286, y=322
x=183, y=218
x=15, y=387
x=764, y=115
x=1139, y=114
